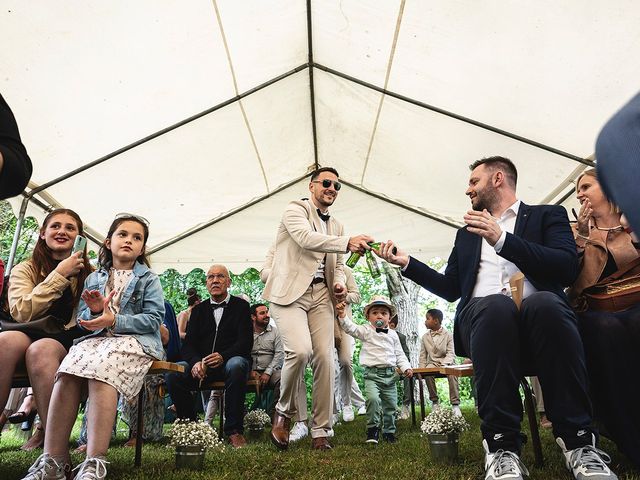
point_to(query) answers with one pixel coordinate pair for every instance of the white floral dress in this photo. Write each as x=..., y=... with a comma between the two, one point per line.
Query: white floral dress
x=115, y=359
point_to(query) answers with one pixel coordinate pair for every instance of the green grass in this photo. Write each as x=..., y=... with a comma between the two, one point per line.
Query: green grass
x=350, y=458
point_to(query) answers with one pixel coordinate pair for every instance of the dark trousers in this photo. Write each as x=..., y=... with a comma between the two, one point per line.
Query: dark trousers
x=234, y=372
x=611, y=342
x=542, y=339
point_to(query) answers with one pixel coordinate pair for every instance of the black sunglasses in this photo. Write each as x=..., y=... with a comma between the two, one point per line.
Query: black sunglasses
x=326, y=183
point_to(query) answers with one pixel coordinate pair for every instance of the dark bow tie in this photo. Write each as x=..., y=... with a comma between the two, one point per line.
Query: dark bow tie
x=323, y=217
x=383, y=330
x=215, y=306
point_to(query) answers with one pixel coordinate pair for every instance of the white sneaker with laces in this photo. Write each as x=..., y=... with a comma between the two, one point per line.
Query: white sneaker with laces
x=298, y=432
x=405, y=413
x=93, y=468
x=502, y=465
x=48, y=468
x=588, y=462
x=456, y=410
x=347, y=414
x=362, y=410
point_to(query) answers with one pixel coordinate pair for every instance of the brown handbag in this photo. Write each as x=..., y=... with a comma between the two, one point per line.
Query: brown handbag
x=618, y=292
x=48, y=324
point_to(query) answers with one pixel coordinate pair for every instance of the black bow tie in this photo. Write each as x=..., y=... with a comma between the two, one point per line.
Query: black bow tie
x=215, y=306
x=324, y=217
x=383, y=330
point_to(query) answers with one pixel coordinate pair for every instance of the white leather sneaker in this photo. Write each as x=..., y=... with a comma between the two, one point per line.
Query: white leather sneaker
x=298, y=432
x=347, y=414
x=588, y=462
x=502, y=465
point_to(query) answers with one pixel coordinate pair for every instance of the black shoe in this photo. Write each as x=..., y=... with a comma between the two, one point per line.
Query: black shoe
x=372, y=434
x=389, y=437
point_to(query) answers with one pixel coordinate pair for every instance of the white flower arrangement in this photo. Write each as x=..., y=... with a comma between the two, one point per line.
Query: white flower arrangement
x=257, y=418
x=443, y=421
x=184, y=433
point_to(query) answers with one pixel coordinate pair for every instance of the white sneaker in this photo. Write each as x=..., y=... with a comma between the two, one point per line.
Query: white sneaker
x=588, y=462
x=435, y=407
x=502, y=465
x=348, y=414
x=330, y=433
x=405, y=413
x=456, y=410
x=48, y=468
x=298, y=432
x=362, y=410
x=93, y=468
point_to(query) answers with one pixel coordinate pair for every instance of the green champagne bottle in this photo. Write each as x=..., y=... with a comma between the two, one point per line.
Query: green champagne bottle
x=355, y=256
x=374, y=269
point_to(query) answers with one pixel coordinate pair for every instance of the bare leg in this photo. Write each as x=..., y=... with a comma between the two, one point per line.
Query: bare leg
x=43, y=358
x=104, y=402
x=13, y=346
x=65, y=401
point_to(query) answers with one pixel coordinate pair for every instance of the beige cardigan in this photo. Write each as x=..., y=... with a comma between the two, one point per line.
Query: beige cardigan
x=28, y=300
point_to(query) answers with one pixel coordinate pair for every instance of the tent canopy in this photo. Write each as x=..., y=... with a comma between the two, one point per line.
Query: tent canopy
x=206, y=116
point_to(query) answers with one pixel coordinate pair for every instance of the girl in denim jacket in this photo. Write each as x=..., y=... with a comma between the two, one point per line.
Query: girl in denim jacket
x=122, y=305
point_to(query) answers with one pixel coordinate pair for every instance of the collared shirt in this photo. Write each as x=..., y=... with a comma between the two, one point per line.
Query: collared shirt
x=323, y=229
x=378, y=349
x=436, y=348
x=267, y=352
x=217, y=313
x=494, y=271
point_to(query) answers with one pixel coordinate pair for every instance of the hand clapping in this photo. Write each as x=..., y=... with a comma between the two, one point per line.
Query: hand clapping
x=483, y=224
x=103, y=321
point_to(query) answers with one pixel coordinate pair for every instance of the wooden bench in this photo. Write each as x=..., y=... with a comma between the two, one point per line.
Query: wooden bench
x=21, y=380
x=466, y=370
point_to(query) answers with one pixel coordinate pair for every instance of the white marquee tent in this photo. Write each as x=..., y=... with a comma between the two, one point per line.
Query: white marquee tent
x=205, y=116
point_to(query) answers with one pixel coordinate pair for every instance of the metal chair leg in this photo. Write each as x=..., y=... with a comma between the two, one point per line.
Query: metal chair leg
x=530, y=408
x=138, y=459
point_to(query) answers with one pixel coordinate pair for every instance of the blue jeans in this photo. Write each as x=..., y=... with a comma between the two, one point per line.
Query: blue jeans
x=234, y=372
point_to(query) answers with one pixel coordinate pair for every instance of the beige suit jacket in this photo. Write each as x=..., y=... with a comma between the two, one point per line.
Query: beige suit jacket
x=437, y=349
x=299, y=248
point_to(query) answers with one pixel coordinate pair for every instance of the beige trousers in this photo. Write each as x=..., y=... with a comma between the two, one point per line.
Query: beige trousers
x=306, y=329
x=454, y=390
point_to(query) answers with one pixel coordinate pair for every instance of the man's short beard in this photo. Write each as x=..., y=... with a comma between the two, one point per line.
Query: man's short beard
x=486, y=200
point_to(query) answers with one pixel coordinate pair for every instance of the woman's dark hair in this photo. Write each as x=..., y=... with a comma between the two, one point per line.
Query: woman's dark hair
x=105, y=256
x=42, y=258
x=192, y=296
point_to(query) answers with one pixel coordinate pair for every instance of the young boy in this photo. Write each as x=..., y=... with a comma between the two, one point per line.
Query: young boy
x=381, y=353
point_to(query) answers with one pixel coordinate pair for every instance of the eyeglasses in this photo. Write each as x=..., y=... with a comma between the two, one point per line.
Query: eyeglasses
x=326, y=183
x=132, y=216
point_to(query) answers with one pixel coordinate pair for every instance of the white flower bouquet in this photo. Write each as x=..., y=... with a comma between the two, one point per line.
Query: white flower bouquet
x=443, y=421
x=256, y=419
x=186, y=433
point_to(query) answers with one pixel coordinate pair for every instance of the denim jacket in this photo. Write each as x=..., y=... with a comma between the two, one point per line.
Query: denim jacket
x=141, y=308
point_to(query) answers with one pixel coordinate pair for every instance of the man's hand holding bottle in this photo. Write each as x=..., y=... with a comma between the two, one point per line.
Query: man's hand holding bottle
x=392, y=254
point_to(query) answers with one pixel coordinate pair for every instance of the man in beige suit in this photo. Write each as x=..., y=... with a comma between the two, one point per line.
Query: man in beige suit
x=436, y=350
x=305, y=280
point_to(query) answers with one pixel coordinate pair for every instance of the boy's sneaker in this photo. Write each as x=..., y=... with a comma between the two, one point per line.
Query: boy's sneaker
x=48, y=468
x=588, y=462
x=347, y=414
x=456, y=410
x=298, y=432
x=372, y=435
x=362, y=410
x=405, y=413
x=93, y=468
x=389, y=437
x=502, y=465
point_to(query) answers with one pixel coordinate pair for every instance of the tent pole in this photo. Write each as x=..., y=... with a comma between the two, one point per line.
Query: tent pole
x=312, y=94
x=16, y=234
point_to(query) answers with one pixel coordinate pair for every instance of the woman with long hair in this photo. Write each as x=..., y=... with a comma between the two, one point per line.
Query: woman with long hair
x=49, y=283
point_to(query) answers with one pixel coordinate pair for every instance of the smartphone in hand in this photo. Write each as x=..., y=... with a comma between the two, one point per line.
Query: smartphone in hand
x=79, y=244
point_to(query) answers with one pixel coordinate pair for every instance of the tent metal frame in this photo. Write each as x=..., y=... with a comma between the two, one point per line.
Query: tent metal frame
x=310, y=65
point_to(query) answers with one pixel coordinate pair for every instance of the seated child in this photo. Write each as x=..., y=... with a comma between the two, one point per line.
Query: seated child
x=381, y=353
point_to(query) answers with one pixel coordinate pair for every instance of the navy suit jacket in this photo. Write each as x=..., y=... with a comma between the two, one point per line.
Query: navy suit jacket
x=235, y=332
x=542, y=247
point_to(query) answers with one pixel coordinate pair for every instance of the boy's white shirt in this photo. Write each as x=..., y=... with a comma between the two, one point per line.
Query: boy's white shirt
x=378, y=349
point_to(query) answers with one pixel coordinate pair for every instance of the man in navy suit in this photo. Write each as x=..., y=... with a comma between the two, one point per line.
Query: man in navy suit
x=504, y=236
x=217, y=347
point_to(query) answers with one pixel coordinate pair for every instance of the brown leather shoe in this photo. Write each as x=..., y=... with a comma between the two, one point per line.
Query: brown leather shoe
x=237, y=440
x=320, y=443
x=280, y=431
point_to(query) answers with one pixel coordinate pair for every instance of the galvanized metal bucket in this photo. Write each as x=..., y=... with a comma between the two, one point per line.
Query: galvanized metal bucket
x=444, y=448
x=190, y=456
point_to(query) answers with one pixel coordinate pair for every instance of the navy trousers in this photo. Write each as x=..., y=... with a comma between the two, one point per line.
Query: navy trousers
x=505, y=344
x=234, y=372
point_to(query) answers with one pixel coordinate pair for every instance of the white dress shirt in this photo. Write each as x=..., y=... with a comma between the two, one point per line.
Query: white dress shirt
x=494, y=271
x=217, y=313
x=378, y=349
